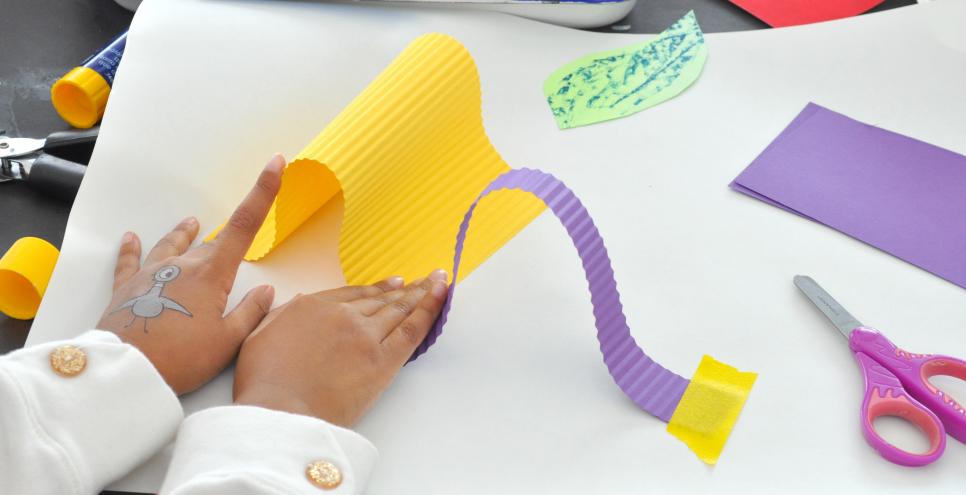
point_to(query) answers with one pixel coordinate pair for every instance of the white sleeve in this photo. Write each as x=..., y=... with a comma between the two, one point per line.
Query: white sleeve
x=75, y=432
x=244, y=450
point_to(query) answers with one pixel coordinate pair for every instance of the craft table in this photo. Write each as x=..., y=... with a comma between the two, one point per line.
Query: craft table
x=32, y=58
x=38, y=48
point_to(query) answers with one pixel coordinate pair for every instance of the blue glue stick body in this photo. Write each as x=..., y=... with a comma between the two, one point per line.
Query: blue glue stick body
x=81, y=95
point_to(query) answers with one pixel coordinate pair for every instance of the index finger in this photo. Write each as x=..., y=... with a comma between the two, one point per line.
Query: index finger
x=234, y=240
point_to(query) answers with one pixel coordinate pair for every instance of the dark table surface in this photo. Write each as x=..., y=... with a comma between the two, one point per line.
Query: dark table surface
x=40, y=40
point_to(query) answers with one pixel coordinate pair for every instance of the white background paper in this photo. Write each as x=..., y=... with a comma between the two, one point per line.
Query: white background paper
x=514, y=396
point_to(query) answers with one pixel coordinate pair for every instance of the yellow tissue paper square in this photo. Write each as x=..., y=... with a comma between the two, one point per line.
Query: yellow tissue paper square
x=709, y=407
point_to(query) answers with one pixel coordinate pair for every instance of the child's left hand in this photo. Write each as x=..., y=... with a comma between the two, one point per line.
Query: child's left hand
x=172, y=307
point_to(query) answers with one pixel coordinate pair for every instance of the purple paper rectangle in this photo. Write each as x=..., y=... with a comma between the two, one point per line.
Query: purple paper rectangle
x=901, y=195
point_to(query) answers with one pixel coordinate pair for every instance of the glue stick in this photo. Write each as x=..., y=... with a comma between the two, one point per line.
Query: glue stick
x=81, y=95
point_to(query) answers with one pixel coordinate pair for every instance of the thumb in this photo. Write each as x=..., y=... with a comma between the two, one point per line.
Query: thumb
x=249, y=313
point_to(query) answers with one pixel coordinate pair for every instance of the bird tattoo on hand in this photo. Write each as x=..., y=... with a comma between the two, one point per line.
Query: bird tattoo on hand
x=151, y=304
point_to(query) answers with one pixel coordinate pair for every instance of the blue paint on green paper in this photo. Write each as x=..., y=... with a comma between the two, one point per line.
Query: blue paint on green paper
x=612, y=84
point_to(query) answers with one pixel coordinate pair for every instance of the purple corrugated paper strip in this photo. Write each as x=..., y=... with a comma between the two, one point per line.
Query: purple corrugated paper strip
x=648, y=384
x=901, y=195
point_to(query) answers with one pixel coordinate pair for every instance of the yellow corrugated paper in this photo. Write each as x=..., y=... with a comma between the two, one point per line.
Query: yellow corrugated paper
x=410, y=155
x=710, y=406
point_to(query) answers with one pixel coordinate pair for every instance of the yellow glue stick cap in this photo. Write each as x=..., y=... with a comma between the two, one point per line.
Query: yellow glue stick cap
x=25, y=270
x=80, y=97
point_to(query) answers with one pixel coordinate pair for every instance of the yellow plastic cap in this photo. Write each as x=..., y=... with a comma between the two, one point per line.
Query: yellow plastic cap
x=25, y=270
x=80, y=97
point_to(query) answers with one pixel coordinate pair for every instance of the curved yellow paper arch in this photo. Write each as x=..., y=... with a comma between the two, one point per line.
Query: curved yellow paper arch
x=409, y=154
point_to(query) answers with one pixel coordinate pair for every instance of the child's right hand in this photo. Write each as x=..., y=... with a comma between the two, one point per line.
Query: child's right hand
x=332, y=353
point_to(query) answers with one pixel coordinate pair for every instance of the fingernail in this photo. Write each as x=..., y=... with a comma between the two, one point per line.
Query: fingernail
x=269, y=292
x=127, y=237
x=189, y=222
x=439, y=289
x=276, y=163
x=438, y=274
x=395, y=282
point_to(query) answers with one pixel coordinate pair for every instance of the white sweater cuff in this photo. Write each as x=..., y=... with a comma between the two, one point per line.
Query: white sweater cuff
x=99, y=424
x=256, y=450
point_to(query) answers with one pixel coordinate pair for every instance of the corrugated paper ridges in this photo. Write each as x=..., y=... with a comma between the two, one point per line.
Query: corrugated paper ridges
x=410, y=155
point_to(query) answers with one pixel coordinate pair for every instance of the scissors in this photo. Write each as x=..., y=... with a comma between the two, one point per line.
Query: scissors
x=896, y=383
x=42, y=163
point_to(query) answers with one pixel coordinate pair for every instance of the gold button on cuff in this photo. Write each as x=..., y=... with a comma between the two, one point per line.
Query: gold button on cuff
x=68, y=361
x=323, y=474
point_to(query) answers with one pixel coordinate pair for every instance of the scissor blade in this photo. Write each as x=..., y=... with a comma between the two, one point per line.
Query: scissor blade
x=834, y=311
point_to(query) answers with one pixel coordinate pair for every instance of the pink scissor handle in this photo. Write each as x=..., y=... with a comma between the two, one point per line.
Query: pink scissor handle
x=914, y=371
x=952, y=413
x=884, y=396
